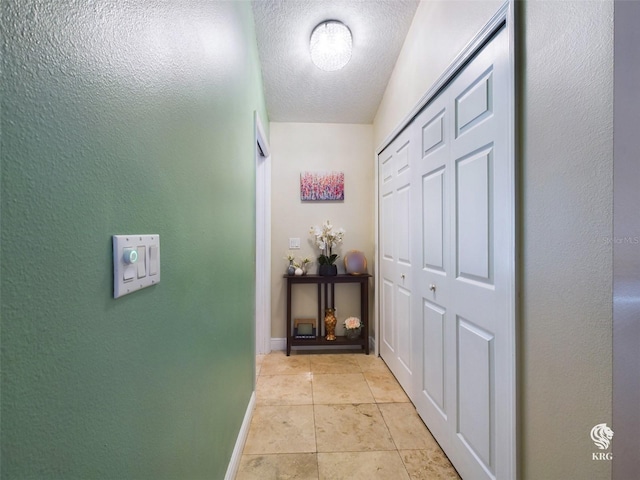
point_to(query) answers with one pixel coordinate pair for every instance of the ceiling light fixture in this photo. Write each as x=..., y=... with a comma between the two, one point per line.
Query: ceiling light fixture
x=330, y=45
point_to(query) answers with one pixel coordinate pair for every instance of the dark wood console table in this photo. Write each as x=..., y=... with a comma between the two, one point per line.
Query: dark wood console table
x=326, y=299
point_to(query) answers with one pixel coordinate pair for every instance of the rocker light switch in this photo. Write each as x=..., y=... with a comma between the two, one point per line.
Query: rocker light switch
x=154, y=259
x=142, y=261
x=136, y=263
x=129, y=274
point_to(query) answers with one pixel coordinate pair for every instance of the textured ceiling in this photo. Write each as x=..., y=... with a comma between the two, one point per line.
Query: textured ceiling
x=296, y=90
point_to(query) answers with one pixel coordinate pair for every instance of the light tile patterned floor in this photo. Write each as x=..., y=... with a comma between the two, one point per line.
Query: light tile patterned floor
x=336, y=417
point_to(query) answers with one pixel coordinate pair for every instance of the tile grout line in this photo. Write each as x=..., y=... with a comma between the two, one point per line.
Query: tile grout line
x=397, y=450
x=315, y=430
x=377, y=403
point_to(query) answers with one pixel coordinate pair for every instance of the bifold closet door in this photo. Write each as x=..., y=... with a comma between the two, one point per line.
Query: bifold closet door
x=458, y=280
x=395, y=191
x=434, y=337
x=466, y=274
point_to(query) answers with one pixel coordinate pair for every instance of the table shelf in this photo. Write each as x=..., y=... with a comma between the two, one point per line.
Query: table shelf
x=326, y=299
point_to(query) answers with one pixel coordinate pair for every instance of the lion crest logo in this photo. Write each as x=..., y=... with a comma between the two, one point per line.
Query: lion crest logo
x=601, y=436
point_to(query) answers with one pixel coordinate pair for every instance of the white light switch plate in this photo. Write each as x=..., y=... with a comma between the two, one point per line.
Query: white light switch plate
x=136, y=263
x=294, y=244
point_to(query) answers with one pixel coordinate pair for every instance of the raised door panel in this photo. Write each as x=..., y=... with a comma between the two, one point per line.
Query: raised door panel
x=475, y=103
x=474, y=218
x=403, y=318
x=402, y=208
x=402, y=161
x=433, y=348
x=476, y=393
x=388, y=317
x=433, y=220
x=386, y=171
x=387, y=227
x=402, y=216
x=433, y=132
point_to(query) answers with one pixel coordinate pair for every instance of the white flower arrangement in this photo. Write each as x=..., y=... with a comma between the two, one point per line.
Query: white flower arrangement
x=352, y=323
x=302, y=264
x=325, y=239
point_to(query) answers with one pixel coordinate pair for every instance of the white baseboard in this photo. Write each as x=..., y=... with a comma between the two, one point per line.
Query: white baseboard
x=278, y=344
x=234, y=463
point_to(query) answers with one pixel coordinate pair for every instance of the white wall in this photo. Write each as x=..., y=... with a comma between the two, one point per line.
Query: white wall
x=439, y=31
x=299, y=147
x=565, y=60
x=567, y=203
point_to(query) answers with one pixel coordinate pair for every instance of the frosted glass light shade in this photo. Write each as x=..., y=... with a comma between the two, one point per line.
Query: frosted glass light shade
x=330, y=45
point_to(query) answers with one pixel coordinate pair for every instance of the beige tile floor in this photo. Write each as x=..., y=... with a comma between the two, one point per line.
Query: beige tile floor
x=336, y=417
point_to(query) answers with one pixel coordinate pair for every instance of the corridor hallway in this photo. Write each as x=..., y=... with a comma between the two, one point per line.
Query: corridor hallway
x=336, y=416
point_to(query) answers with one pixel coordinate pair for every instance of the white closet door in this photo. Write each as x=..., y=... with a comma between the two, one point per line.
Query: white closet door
x=433, y=330
x=455, y=290
x=483, y=232
x=395, y=253
x=467, y=320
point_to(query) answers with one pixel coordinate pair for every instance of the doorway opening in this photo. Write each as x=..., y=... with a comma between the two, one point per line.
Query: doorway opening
x=263, y=239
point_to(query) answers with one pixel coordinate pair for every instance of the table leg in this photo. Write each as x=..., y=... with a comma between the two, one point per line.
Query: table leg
x=289, y=332
x=364, y=306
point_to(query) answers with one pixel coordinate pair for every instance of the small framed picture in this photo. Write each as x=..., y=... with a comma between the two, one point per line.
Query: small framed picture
x=304, y=328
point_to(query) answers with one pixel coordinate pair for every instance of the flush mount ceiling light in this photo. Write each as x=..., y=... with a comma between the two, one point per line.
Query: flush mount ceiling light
x=330, y=45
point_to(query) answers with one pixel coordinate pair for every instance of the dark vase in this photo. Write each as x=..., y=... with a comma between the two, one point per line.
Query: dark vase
x=327, y=270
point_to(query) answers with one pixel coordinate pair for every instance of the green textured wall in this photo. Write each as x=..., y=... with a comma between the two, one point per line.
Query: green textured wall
x=125, y=116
